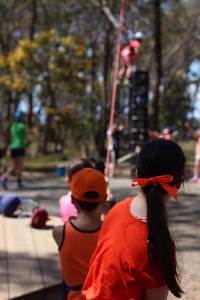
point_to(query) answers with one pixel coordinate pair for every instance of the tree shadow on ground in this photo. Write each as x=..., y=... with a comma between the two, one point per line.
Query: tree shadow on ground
x=44, y=272
x=40, y=188
x=184, y=218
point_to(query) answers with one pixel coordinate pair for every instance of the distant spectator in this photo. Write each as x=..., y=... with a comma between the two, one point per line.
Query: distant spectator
x=17, y=146
x=2, y=148
x=114, y=146
x=166, y=134
x=129, y=56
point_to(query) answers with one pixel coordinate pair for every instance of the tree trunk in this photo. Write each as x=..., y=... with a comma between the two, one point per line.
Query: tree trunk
x=107, y=67
x=31, y=35
x=5, y=44
x=30, y=110
x=92, y=103
x=158, y=63
x=107, y=86
x=49, y=120
x=9, y=114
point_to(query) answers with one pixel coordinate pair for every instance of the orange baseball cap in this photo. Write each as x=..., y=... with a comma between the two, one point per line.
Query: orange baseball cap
x=89, y=185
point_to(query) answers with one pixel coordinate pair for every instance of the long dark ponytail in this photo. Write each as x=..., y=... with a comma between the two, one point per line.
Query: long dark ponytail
x=156, y=158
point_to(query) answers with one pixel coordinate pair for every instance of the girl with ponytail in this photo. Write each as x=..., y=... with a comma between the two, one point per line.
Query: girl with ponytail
x=135, y=258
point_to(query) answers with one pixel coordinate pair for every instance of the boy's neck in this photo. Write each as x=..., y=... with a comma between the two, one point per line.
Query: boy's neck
x=87, y=221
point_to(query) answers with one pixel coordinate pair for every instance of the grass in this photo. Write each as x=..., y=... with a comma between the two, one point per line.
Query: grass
x=50, y=162
x=43, y=163
x=188, y=147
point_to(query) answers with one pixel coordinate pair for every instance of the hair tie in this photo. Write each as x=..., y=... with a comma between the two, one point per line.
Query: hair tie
x=162, y=180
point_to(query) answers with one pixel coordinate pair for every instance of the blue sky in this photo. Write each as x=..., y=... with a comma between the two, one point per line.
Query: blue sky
x=194, y=74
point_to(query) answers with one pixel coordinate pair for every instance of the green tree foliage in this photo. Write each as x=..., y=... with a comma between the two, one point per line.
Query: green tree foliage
x=175, y=104
x=60, y=55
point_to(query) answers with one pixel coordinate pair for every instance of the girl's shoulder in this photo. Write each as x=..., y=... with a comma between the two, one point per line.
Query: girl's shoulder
x=121, y=207
x=123, y=224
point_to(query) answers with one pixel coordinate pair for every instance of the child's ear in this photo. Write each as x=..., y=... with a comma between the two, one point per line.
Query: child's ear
x=75, y=204
x=73, y=201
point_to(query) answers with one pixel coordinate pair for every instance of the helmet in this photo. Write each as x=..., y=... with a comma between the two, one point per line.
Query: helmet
x=19, y=116
x=139, y=35
x=166, y=130
x=9, y=203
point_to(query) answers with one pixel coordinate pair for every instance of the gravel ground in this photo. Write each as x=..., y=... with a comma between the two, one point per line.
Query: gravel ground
x=184, y=219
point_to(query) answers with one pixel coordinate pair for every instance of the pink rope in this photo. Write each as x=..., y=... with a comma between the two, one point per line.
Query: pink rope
x=114, y=87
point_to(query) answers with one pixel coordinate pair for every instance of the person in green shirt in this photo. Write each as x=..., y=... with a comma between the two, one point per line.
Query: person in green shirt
x=17, y=147
x=2, y=147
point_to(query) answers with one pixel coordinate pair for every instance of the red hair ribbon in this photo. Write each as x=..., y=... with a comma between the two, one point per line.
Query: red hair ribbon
x=162, y=180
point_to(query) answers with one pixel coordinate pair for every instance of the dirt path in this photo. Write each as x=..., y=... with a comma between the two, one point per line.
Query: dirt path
x=185, y=220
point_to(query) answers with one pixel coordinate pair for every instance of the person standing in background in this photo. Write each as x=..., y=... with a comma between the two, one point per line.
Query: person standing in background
x=129, y=56
x=17, y=146
x=2, y=148
x=114, y=146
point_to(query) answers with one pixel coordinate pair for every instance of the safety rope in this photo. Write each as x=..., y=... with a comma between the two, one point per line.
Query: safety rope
x=114, y=86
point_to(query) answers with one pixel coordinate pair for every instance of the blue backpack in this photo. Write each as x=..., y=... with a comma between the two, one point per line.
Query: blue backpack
x=9, y=204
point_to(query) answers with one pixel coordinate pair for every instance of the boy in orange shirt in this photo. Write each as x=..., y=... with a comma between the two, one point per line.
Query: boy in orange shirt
x=77, y=239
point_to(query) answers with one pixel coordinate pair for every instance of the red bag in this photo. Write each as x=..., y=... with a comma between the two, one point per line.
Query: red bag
x=39, y=218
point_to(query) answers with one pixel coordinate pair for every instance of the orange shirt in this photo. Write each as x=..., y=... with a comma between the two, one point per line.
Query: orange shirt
x=75, y=254
x=119, y=268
